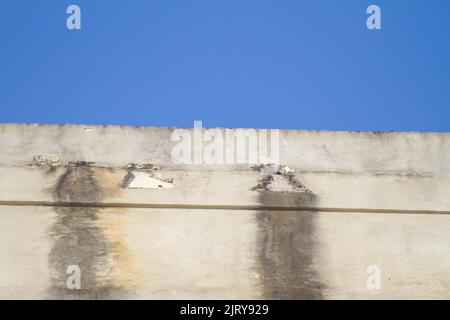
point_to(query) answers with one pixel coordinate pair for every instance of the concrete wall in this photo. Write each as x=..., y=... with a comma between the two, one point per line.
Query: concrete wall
x=111, y=201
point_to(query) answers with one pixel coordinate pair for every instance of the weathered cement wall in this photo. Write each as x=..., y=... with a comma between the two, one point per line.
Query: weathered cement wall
x=111, y=201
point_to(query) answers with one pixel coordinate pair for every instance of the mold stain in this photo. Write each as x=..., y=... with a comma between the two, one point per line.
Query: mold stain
x=286, y=245
x=79, y=239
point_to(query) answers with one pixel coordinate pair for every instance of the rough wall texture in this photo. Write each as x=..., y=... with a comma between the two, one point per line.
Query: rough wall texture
x=111, y=201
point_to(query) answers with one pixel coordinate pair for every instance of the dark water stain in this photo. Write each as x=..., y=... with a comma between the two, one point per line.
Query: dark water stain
x=78, y=240
x=286, y=247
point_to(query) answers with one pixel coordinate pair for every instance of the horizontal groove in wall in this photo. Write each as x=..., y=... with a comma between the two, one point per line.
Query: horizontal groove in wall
x=216, y=207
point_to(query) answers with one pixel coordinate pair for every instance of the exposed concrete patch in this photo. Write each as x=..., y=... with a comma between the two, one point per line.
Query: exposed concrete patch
x=78, y=239
x=278, y=178
x=142, y=166
x=145, y=176
x=50, y=160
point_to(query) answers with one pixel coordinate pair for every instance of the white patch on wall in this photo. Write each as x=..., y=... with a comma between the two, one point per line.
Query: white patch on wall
x=146, y=180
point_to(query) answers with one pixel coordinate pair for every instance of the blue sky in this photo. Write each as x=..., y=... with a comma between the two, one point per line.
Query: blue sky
x=291, y=64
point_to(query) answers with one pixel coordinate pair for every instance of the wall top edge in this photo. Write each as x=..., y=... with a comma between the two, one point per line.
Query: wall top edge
x=142, y=127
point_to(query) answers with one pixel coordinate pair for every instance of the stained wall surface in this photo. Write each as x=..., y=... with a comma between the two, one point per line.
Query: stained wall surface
x=139, y=225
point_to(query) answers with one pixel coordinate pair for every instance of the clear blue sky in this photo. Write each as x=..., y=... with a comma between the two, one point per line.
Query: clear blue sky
x=298, y=64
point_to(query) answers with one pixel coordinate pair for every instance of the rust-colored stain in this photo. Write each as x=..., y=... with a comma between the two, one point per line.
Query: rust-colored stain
x=123, y=272
x=83, y=237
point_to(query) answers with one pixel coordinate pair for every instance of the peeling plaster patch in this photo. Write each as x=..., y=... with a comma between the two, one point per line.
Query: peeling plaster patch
x=278, y=178
x=81, y=164
x=145, y=176
x=55, y=160
x=142, y=166
x=144, y=180
x=47, y=160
